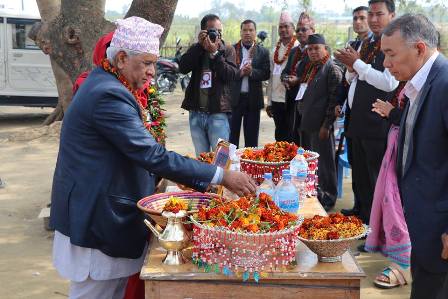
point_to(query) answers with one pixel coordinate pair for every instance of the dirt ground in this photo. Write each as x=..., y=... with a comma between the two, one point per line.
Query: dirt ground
x=27, y=159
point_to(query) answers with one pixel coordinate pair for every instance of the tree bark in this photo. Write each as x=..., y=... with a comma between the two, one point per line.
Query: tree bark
x=156, y=11
x=70, y=30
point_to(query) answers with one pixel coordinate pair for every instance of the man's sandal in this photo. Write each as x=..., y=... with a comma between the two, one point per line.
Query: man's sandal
x=391, y=277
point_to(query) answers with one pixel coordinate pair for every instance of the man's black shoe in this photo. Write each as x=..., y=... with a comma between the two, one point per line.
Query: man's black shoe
x=361, y=247
x=350, y=212
x=328, y=207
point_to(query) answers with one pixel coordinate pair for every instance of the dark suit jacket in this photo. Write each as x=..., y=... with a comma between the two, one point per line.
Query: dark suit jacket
x=260, y=72
x=424, y=183
x=103, y=168
x=291, y=93
x=317, y=106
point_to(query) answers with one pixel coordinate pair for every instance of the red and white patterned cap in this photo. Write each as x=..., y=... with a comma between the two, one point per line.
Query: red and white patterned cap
x=137, y=34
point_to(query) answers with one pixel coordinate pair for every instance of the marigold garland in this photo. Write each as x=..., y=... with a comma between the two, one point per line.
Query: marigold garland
x=311, y=69
x=286, y=54
x=149, y=102
x=297, y=57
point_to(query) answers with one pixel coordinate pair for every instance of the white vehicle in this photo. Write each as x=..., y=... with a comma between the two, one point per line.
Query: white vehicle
x=26, y=76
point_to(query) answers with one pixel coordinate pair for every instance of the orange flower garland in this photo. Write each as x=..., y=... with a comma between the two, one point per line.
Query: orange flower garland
x=297, y=57
x=152, y=115
x=286, y=54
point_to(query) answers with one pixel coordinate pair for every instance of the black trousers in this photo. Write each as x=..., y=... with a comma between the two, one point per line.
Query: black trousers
x=282, y=119
x=426, y=284
x=367, y=155
x=251, y=123
x=348, y=142
x=327, y=177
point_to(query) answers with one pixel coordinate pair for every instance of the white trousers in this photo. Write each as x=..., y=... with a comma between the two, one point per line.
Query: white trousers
x=98, y=289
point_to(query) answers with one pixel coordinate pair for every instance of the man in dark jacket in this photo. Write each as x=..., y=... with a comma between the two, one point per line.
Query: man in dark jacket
x=247, y=90
x=107, y=161
x=410, y=47
x=207, y=97
x=318, y=79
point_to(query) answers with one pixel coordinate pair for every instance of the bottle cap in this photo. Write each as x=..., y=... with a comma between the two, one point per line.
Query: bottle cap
x=268, y=175
x=300, y=151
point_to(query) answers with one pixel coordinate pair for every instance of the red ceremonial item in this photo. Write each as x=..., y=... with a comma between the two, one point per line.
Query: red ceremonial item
x=286, y=54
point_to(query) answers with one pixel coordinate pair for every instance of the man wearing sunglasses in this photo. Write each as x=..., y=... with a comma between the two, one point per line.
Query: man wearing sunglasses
x=304, y=28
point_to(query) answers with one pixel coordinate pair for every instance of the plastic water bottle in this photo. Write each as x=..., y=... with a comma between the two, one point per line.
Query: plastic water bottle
x=299, y=172
x=286, y=195
x=267, y=186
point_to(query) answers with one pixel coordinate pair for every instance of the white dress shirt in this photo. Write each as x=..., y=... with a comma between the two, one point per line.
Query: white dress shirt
x=365, y=72
x=78, y=263
x=276, y=89
x=415, y=85
x=245, y=58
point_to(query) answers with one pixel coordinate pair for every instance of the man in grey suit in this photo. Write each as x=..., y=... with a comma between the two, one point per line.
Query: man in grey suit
x=410, y=47
x=318, y=79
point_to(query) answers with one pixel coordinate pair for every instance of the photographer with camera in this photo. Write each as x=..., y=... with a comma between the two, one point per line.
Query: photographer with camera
x=208, y=95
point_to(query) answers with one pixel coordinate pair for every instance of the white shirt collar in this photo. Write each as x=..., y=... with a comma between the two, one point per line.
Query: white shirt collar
x=415, y=85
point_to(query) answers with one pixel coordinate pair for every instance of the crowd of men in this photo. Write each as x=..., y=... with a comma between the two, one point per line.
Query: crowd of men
x=309, y=87
x=109, y=159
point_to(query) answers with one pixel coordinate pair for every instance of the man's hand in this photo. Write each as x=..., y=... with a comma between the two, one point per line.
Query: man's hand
x=324, y=133
x=337, y=110
x=292, y=81
x=382, y=108
x=239, y=183
x=269, y=111
x=201, y=37
x=246, y=70
x=445, y=246
x=347, y=56
x=210, y=46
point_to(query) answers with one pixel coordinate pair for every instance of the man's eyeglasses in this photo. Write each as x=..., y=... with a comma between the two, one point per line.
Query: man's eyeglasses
x=302, y=29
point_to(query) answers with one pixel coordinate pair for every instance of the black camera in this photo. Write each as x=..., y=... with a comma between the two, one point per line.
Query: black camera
x=213, y=34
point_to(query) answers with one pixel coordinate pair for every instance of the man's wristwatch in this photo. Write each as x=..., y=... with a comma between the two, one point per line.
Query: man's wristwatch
x=214, y=54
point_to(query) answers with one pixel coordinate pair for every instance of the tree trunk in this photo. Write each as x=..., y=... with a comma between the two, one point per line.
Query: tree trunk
x=70, y=29
x=156, y=11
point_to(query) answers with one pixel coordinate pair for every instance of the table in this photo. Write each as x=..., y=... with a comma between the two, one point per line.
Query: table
x=309, y=279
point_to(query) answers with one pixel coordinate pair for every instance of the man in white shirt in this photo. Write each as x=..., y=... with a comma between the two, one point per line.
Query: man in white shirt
x=369, y=81
x=276, y=107
x=410, y=47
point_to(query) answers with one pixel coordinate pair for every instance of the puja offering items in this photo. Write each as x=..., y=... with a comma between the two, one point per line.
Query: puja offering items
x=272, y=152
x=331, y=236
x=154, y=205
x=331, y=227
x=175, y=204
x=174, y=237
x=248, y=236
x=274, y=158
x=207, y=157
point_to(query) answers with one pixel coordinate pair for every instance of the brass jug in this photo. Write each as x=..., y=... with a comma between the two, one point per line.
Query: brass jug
x=174, y=237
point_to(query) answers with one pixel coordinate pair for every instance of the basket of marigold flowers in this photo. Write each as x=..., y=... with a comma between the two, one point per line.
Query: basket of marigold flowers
x=248, y=235
x=272, y=158
x=329, y=237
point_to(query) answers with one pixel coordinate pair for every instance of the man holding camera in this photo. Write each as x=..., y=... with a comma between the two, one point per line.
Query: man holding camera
x=247, y=92
x=207, y=97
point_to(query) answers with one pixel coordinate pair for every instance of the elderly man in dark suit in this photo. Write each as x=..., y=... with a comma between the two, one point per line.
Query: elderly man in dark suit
x=107, y=161
x=247, y=91
x=318, y=79
x=410, y=47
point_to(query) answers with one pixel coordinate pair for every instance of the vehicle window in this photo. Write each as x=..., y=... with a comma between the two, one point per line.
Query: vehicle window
x=20, y=39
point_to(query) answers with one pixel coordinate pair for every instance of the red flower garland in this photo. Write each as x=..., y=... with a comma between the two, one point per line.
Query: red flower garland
x=366, y=55
x=238, y=52
x=297, y=57
x=285, y=55
x=311, y=69
x=152, y=115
